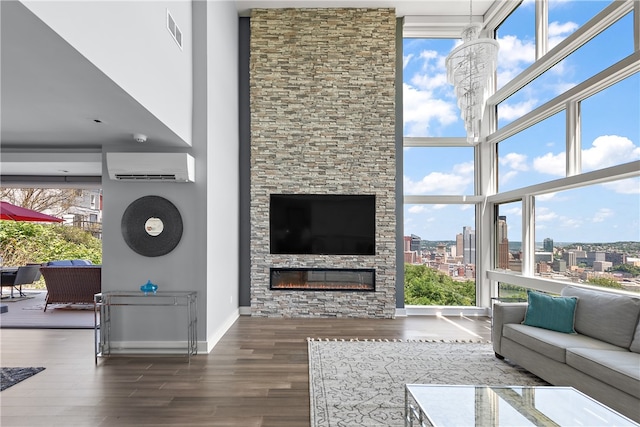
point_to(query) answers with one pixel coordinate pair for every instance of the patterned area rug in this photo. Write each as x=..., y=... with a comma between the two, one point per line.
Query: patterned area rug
x=361, y=383
x=12, y=376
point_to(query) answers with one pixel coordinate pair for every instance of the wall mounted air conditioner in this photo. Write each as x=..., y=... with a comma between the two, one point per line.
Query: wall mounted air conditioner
x=151, y=167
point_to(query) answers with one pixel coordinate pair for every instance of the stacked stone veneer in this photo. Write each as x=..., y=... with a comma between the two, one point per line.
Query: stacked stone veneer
x=322, y=122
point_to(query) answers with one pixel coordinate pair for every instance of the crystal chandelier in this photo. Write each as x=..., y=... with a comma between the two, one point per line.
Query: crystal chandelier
x=470, y=68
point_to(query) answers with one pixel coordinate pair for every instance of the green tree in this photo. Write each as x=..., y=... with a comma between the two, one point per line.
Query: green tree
x=426, y=286
x=627, y=268
x=604, y=282
x=28, y=242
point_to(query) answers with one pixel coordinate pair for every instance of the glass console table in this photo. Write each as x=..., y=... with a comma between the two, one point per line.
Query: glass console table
x=468, y=405
x=105, y=302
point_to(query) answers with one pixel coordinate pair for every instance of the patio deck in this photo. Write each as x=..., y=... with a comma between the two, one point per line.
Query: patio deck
x=28, y=313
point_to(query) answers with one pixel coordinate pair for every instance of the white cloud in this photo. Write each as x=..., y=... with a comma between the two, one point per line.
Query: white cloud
x=466, y=168
x=566, y=222
x=438, y=183
x=428, y=55
x=552, y=164
x=514, y=56
x=428, y=101
x=546, y=197
x=606, y=150
x=562, y=29
x=602, y=215
x=406, y=59
x=511, y=164
x=544, y=214
x=430, y=82
x=515, y=53
x=561, y=87
x=514, y=210
x=626, y=186
x=515, y=161
x=414, y=209
x=507, y=176
x=510, y=112
x=609, y=150
x=421, y=108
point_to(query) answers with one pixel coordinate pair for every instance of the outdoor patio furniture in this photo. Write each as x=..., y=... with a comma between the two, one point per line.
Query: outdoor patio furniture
x=22, y=276
x=71, y=284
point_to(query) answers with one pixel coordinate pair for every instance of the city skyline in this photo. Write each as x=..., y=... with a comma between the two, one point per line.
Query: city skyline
x=602, y=213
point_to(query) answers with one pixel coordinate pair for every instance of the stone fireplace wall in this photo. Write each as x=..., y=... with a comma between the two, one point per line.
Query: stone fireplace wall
x=322, y=87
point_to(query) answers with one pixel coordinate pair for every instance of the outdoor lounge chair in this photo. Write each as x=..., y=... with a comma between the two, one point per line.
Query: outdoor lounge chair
x=23, y=276
x=71, y=284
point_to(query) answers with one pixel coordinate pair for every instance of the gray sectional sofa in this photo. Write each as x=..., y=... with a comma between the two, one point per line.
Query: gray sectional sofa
x=602, y=357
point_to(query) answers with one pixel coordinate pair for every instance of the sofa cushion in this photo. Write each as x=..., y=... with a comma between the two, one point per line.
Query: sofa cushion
x=635, y=344
x=60, y=262
x=81, y=262
x=551, y=344
x=550, y=312
x=620, y=369
x=605, y=315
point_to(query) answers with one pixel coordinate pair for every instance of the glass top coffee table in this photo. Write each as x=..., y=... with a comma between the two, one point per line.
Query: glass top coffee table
x=460, y=405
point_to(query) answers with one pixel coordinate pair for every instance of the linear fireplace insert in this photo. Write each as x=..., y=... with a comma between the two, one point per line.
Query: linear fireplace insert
x=323, y=279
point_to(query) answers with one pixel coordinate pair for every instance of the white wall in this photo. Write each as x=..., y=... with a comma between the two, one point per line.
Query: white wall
x=223, y=167
x=130, y=43
x=206, y=259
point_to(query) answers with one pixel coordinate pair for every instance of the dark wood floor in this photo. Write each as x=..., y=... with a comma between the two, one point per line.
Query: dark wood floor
x=257, y=375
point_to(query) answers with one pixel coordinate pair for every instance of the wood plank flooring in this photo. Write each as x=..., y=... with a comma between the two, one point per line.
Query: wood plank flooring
x=257, y=375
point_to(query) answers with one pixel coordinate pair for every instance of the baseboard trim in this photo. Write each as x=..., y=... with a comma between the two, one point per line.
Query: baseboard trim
x=418, y=310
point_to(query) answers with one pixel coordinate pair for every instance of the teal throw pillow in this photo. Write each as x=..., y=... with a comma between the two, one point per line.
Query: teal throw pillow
x=549, y=312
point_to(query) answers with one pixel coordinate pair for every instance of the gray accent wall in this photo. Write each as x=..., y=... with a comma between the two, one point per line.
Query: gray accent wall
x=206, y=259
x=244, y=32
x=323, y=121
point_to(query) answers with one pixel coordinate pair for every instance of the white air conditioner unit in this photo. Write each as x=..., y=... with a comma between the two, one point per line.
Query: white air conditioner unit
x=151, y=167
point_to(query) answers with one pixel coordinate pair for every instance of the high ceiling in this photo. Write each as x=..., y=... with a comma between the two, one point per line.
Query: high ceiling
x=53, y=99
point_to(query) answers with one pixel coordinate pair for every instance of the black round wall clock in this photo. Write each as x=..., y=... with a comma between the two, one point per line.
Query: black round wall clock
x=152, y=226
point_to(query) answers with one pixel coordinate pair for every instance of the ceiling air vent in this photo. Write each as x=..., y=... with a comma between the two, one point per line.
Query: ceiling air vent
x=151, y=167
x=174, y=29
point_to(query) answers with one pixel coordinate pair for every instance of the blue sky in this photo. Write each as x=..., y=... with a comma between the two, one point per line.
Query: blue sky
x=610, y=132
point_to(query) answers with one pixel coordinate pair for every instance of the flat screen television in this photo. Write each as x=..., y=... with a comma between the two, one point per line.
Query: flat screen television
x=321, y=224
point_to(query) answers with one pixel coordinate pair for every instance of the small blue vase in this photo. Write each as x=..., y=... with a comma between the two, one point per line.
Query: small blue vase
x=149, y=287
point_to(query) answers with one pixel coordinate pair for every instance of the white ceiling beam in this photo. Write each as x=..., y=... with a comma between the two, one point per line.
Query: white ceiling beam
x=436, y=27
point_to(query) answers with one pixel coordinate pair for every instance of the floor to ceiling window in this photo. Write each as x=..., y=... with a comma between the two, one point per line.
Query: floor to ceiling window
x=568, y=147
x=439, y=229
x=556, y=195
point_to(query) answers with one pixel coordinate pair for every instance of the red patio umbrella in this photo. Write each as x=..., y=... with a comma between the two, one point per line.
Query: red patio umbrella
x=17, y=213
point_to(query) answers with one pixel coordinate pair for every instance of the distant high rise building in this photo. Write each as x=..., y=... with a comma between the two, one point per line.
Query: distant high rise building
x=596, y=256
x=502, y=228
x=616, y=258
x=503, y=243
x=547, y=245
x=571, y=258
x=468, y=245
x=407, y=243
x=559, y=265
x=602, y=265
x=415, y=243
x=459, y=245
